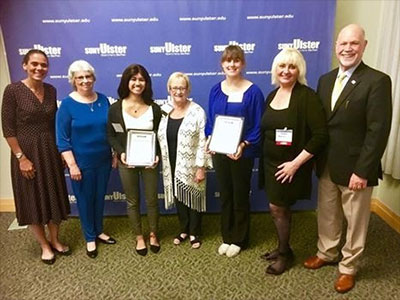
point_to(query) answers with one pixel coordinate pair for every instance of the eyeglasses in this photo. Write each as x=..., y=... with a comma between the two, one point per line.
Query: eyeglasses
x=82, y=78
x=178, y=88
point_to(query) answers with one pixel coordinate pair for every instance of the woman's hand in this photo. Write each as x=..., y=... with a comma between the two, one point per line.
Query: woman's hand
x=200, y=175
x=26, y=167
x=286, y=172
x=154, y=165
x=123, y=159
x=75, y=172
x=207, y=150
x=238, y=153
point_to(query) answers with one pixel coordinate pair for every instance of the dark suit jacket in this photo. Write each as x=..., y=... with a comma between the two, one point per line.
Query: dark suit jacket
x=358, y=126
x=116, y=139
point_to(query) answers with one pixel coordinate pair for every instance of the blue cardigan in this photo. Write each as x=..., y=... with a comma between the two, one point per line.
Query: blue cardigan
x=81, y=127
x=251, y=108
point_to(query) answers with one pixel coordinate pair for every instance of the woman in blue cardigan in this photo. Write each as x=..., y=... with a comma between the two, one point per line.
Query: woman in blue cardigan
x=239, y=97
x=82, y=140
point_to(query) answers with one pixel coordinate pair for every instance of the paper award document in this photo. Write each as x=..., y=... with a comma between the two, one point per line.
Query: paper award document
x=226, y=134
x=140, y=148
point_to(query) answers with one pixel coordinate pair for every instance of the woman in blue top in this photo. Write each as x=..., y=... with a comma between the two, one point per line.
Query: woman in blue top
x=235, y=96
x=81, y=138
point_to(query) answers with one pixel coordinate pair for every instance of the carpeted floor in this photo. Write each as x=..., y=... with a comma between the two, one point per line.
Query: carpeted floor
x=178, y=272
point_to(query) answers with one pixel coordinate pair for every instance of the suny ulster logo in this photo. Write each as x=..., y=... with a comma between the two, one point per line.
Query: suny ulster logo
x=247, y=47
x=51, y=51
x=299, y=44
x=105, y=49
x=170, y=48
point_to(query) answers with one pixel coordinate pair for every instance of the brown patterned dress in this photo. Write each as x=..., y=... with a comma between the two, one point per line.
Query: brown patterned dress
x=45, y=197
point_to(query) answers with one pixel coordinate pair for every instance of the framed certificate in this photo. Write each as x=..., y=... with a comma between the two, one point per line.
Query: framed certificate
x=140, y=148
x=226, y=134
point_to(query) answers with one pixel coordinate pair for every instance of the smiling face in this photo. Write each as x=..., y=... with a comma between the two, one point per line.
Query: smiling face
x=36, y=67
x=137, y=84
x=232, y=67
x=178, y=90
x=287, y=74
x=350, y=46
x=83, y=82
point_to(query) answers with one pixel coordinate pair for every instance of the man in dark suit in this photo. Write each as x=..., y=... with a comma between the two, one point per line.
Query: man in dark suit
x=358, y=105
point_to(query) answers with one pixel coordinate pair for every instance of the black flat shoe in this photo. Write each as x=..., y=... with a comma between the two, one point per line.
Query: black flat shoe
x=92, y=254
x=155, y=248
x=65, y=252
x=142, y=252
x=109, y=241
x=49, y=261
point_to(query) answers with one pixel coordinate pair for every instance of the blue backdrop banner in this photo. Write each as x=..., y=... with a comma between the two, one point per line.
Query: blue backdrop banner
x=168, y=36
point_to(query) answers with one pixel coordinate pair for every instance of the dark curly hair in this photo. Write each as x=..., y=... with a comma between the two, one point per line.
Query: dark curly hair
x=25, y=60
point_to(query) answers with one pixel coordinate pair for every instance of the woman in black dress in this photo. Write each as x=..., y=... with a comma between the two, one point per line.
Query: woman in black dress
x=40, y=194
x=293, y=131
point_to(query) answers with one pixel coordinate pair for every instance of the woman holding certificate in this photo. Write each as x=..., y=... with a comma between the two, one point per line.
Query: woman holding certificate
x=240, y=99
x=82, y=140
x=135, y=117
x=28, y=112
x=293, y=131
x=182, y=143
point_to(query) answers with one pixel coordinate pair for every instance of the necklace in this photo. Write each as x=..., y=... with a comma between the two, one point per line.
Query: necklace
x=91, y=106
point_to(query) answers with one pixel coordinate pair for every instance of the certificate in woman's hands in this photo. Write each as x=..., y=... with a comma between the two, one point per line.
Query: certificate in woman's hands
x=140, y=148
x=226, y=134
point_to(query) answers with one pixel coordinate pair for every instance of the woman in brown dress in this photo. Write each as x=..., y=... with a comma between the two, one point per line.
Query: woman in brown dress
x=40, y=194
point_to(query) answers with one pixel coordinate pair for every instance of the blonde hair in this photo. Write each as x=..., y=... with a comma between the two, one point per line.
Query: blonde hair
x=289, y=56
x=177, y=75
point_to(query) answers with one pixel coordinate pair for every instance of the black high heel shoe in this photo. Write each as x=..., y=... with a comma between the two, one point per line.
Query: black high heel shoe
x=282, y=263
x=270, y=255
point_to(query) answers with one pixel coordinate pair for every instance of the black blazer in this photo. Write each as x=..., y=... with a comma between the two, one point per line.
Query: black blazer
x=358, y=126
x=116, y=139
x=307, y=118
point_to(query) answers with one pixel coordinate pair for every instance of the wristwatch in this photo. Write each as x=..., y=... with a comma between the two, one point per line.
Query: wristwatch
x=19, y=155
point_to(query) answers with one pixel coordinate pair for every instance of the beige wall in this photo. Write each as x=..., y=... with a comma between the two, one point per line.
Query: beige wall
x=366, y=13
x=5, y=181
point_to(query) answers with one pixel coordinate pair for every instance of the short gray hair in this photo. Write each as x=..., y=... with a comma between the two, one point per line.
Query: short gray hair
x=79, y=66
x=289, y=56
x=176, y=75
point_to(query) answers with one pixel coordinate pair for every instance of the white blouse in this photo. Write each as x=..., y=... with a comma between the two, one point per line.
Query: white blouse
x=143, y=122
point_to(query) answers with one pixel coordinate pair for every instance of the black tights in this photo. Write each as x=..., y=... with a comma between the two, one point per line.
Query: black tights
x=282, y=216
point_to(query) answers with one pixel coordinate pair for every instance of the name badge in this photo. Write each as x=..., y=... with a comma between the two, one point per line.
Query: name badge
x=235, y=97
x=117, y=127
x=283, y=137
x=167, y=107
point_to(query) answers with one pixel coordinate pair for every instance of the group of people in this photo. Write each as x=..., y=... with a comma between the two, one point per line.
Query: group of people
x=342, y=129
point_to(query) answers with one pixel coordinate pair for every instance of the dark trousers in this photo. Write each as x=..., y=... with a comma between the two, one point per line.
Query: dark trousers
x=234, y=179
x=89, y=193
x=130, y=178
x=189, y=219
